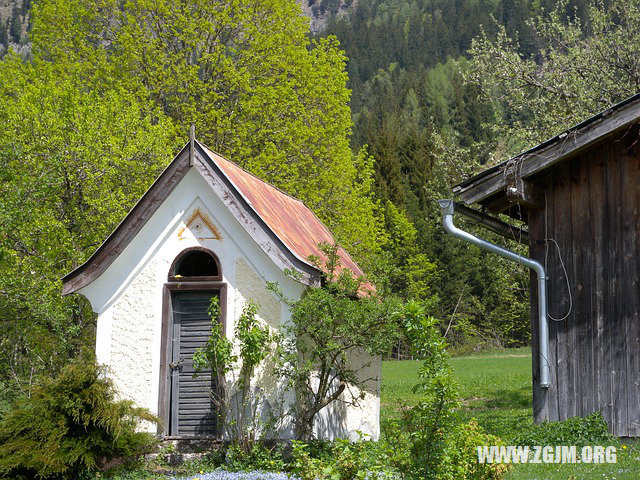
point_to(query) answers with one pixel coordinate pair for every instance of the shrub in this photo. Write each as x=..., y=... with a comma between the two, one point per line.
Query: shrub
x=455, y=458
x=431, y=421
x=259, y=457
x=430, y=443
x=342, y=460
x=328, y=325
x=70, y=425
x=461, y=455
x=590, y=430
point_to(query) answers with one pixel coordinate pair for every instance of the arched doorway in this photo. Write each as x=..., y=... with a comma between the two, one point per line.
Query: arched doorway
x=186, y=402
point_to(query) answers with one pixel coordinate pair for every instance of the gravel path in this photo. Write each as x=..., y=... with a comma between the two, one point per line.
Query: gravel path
x=224, y=475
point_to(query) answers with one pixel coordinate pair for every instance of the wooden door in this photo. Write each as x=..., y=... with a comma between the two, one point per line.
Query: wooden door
x=191, y=409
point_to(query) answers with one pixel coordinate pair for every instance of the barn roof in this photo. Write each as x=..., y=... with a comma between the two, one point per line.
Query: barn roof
x=284, y=227
x=489, y=185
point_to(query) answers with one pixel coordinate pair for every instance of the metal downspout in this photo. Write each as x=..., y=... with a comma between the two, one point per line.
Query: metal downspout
x=448, y=209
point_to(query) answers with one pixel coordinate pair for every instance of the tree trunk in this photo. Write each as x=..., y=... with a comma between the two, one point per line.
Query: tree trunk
x=304, y=428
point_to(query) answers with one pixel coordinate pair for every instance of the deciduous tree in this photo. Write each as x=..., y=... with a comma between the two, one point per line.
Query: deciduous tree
x=72, y=162
x=583, y=67
x=330, y=332
x=246, y=74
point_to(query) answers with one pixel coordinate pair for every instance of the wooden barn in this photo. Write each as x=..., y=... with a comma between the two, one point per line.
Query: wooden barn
x=579, y=194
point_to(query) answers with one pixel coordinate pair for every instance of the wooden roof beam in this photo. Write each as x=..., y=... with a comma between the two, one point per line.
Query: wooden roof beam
x=568, y=144
x=494, y=224
x=521, y=191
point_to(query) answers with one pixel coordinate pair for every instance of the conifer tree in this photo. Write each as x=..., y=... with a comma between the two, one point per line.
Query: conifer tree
x=16, y=24
x=4, y=35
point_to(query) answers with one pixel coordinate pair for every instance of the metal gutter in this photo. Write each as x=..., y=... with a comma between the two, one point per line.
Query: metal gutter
x=448, y=208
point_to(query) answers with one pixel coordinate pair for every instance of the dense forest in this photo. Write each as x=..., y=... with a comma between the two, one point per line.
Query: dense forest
x=369, y=121
x=412, y=106
x=429, y=123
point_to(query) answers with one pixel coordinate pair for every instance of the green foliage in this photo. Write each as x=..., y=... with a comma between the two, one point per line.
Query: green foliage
x=101, y=106
x=429, y=422
x=428, y=128
x=73, y=160
x=254, y=339
x=217, y=354
x=16, y=24
x=590, y=430
x=426, y=341
x=70, y=424
x=495, y=388
x=234, y=371
x=564, y=83
x=342, y=460
x=403, y=269
x=416, y=34
x=255, y=344
x=425, y=128
x=328, y=327
x=246, y=74
x=428, y=440
x=455, y=458
x=259, y=457
x=461, y=456
x=4, y=35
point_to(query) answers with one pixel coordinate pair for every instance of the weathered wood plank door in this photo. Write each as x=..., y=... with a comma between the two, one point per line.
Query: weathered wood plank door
x=191, y=409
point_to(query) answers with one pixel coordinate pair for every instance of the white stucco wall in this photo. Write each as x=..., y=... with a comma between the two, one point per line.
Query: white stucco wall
x=358, y=410
x=128, y=300
x=133, y=338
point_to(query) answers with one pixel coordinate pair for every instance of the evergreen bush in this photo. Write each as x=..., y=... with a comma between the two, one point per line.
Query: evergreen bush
x=71, y=424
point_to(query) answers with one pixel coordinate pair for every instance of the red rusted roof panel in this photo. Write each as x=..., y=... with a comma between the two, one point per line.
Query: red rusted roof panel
x=290, y=219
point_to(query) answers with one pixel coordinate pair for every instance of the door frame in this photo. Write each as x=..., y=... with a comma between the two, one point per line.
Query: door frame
x=167, y=323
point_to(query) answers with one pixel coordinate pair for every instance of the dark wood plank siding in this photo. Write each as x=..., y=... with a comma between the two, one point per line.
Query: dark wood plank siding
x=597, y=243
x=631, y=238
x=592, y=212
x=536, y=250
x=616, y=295
x=582, y=293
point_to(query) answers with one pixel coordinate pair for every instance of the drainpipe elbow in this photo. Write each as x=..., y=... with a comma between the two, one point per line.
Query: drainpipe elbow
x=448, y=209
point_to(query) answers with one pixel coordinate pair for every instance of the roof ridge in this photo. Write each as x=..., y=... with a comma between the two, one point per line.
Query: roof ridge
x=252, y=174
x=294, y=245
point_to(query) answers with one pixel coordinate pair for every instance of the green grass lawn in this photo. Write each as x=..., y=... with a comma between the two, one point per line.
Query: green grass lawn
x=495, y=389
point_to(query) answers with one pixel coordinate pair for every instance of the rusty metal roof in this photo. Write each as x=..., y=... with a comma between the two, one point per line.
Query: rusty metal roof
x=289, y=218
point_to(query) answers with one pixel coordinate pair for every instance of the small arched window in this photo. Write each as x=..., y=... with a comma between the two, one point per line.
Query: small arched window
x=195, y=263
